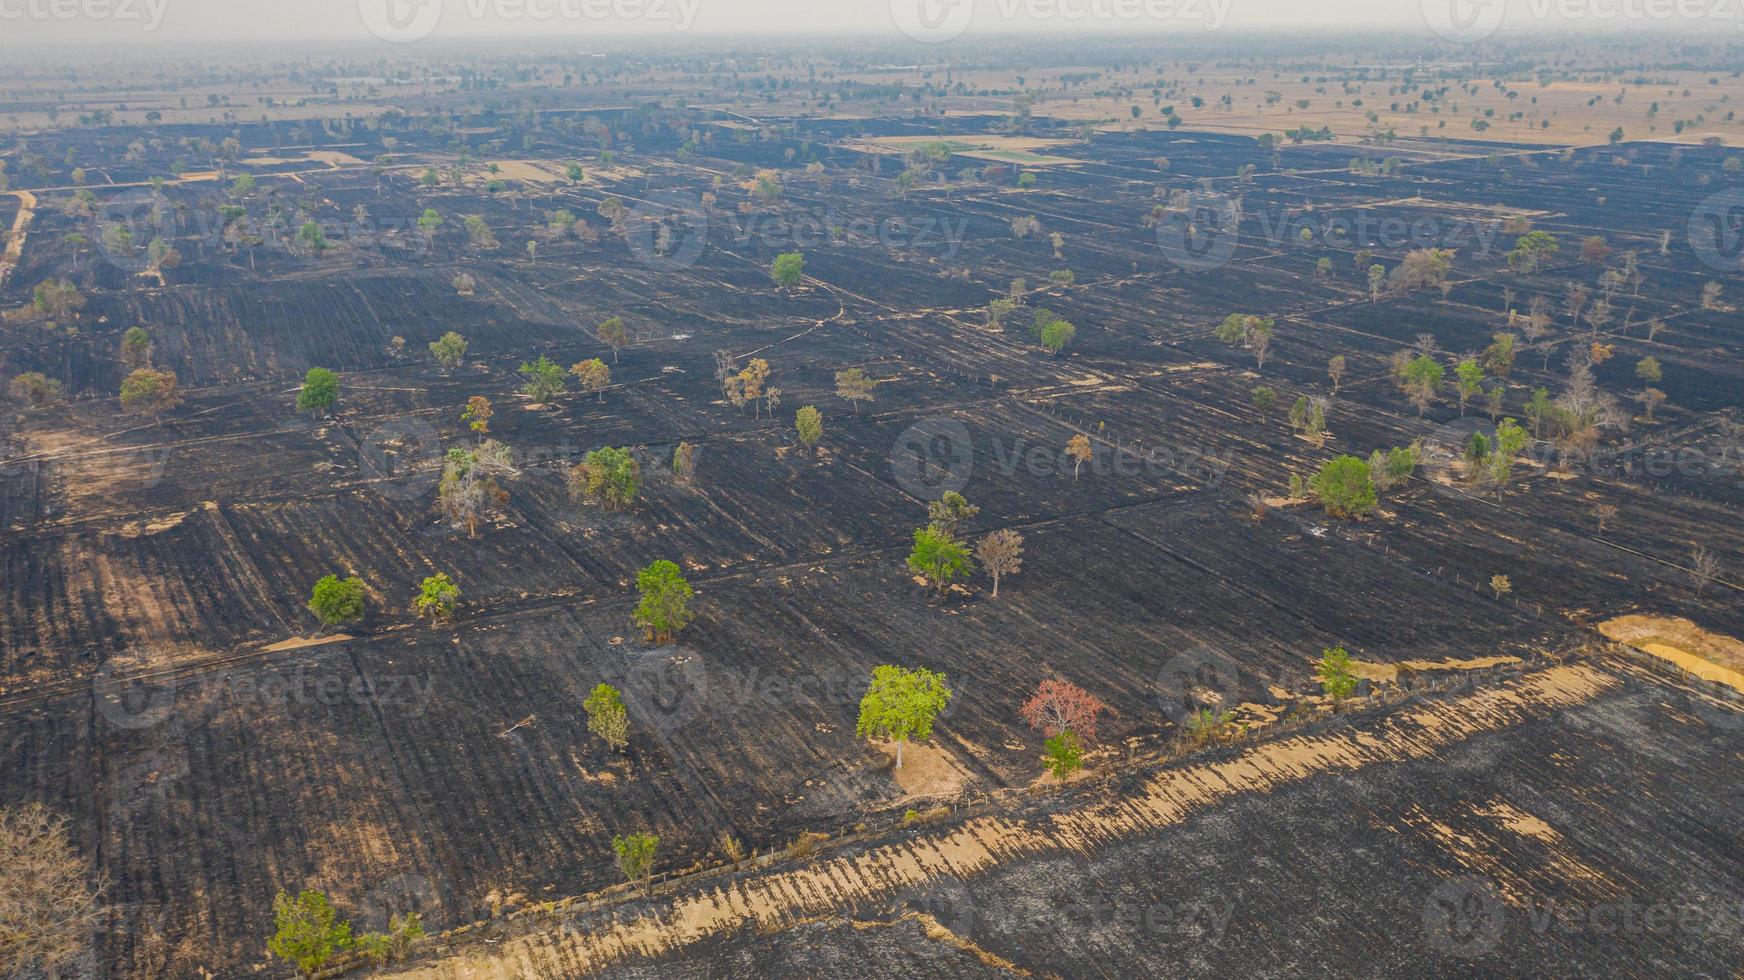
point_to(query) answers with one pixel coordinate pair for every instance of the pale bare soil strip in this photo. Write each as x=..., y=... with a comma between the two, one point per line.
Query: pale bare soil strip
x=781, y=899
x=15, y=237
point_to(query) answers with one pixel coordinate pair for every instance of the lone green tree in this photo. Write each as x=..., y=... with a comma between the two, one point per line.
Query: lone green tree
x=309, y=931
x=320, y=390
x=636, y=857
x=939, y=558
x=901, y=705
x=607, y=476
x=808, y=422
x=788, y=269
x=613, y=334
x=149, y=392
x=437, y=597
x=449, y=350
x=544, y=379
x=1056, y=335
x=607, y=717
x=1062, y=754
x=136, y=348
x=1344, y=488
x=853, y=386
x=664, y=609
x=336, y=601
x=1335, y=674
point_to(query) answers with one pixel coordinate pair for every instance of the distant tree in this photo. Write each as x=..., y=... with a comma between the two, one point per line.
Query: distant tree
x=544, y=379
x=1498, y=358
x=1650, y=373
x=940, y=558
x=1335, y=371
x=1056, y=335
x=592, y=375
x=336, y=601
x=468, y=488
x=901, y=705
x=684, y=462
x=437, y=597
x=1704, y=568
x=1594, y=249
x=311, y=237
x=320, y=390
x=1336, y=679
x=149, y=392
x=750, y=385
x=309, y=931
x=477, y=415
x=1710, y=296
x=1605, y=513
x=35, y=389
x=950, y=512
x=48, y=910
x=1468, y=377
x=429, y=222
x=1423, y=268
x=853, y=386
x=1377, y=279
x=607, y=476
x=788, y=269
x=136, y=348
x=606, y=716
x=664, y=609
x=1061, y=706
x=613, y=334
x=464, y=284
x=1078, y=447
x=1001, y=554
x=1422, y=377
x=1531, y=250
x=1500, y=585
x=636, y=858
x=479, y=234
x=1344, y=488
x=1263, y=399
x=808, y=422
x=57, y=298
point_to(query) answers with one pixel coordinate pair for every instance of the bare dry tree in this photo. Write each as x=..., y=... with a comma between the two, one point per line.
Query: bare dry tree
x=1704, y=568
x=48, y=907
x=1606, y=513
x=1001, y=553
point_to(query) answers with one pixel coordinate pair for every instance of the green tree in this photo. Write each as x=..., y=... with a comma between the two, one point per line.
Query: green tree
x=1063, y=755
x=607, y=717
x=607, y=476
x=1422, y=377
x=665, y=606
x=1264, y=398
x=313, y=238
x=1344, y=488
x=1057, y=334
x=788, y=269
x=336, y=601
x=309, y=931
x=853, y=386
x=901, y=705
x=449, y=350
x=636, y=857
x=939, y=558
x=613, y=334
x=544, y=379
x=1531, y=249
x=320, y=390
x=437, y=597
x=808, y=422
x=136, y=348
x=150, y=392
x=1468, y=377
x=1335, y=674
x=35, y=389
x=1510, y=439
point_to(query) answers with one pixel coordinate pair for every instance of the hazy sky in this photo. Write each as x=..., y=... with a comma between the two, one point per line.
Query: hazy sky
x=24, y=23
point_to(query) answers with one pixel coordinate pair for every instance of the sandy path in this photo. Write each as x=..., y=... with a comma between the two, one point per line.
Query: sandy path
x=15, y=237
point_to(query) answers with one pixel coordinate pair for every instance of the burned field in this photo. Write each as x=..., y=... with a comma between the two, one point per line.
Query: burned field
x=162, y=682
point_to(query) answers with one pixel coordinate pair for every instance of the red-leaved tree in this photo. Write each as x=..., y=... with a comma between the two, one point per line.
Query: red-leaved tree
x=1059, y=705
